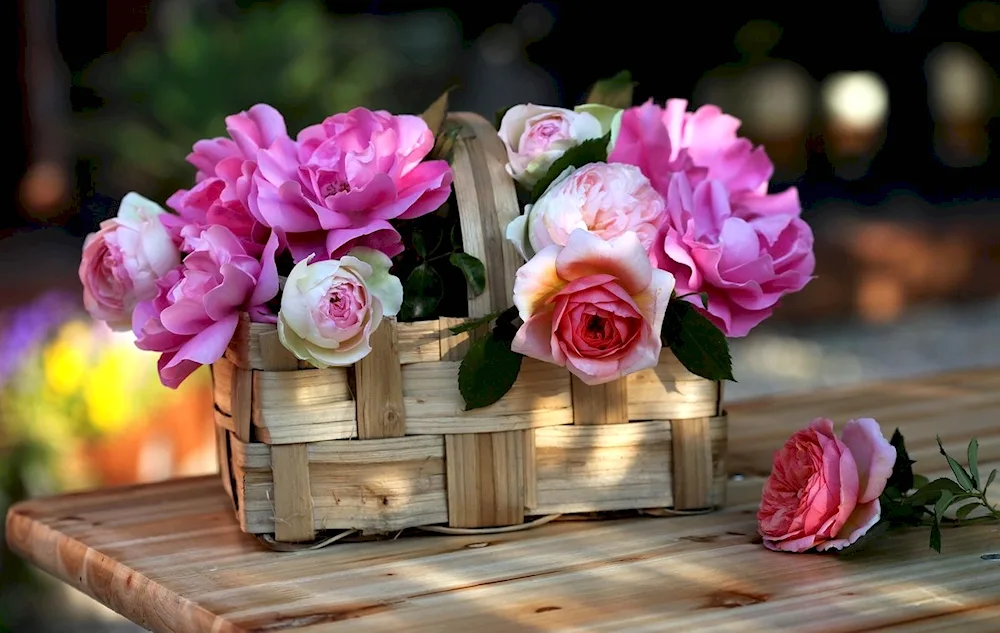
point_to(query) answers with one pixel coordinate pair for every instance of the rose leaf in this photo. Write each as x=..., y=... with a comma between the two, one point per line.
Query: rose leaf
x=696, y=342
x=487, y=372
x=974, y=461
x=421, y=293
x=435, y=114
x=473, y=269
x=614, y=92
x=480, y=321
x=594, y=150
x=427, y=239
x=963, y=478
x=902, y=470
x=866, y=539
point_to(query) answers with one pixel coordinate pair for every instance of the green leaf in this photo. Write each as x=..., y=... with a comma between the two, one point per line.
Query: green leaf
x=498, y=117
x=902, y=470
x=474, y=323
x=594, y=150
x=962, y=477
x=974, y=461
x=919, y=481
x=473, y=269
x=936, y=537
x=942, y=504
x=929, y=494
x=436, y=113
x=966, y=510
x=487, y=372
x=989, y=480
x=615, y=92
x=427, y=240
x=696, y=342
x=455, y=239
x=867, y=538
x=422, y=292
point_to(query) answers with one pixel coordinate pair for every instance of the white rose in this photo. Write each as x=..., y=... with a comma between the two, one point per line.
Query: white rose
x=537, y=136
x=330, y=309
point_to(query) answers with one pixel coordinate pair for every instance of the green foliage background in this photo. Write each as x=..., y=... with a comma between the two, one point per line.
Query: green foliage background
x=174, y=84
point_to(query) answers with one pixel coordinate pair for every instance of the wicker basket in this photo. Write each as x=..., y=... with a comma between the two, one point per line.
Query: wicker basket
x=387, y=444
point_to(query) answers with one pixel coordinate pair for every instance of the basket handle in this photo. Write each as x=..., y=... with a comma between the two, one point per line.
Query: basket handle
x=487, y=202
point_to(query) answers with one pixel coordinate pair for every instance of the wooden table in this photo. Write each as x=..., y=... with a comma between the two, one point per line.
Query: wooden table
x=170, y=556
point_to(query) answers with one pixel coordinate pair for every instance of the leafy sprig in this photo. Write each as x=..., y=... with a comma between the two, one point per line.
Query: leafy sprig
x=490, y=367
x=913, y=500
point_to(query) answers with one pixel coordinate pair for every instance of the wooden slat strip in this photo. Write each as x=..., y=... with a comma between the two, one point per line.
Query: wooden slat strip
x=692, y=463
x=293, y=501
x=380, y=387
x=600, y=404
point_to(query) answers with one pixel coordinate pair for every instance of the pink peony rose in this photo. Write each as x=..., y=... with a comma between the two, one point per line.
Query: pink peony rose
x=605, y=199
x=536, y=136
x=594, y=306
x=703, y=144
x=194, y=315
x=123, y=260
x=823, y=491
x=745, y=260
x=225, y=166
x=338, y=186
x=329, y=309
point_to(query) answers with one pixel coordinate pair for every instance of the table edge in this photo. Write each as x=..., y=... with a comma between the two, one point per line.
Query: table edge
x=121, y=589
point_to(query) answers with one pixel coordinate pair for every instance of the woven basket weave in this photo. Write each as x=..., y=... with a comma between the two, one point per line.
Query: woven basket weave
x=387, y=444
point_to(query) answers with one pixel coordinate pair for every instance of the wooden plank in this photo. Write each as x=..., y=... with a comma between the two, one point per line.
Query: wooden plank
x=540, y=397
x=170, y=556
x=418, y=342
x=380, y=387
x=292, y=499
x=485, y=479
x=600, y=404
x=293, y=407
x=692, y=466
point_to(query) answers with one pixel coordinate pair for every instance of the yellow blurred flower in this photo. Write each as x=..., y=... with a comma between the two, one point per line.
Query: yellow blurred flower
x=66, y=359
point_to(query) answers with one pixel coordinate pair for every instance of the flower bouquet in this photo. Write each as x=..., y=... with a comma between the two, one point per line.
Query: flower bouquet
x=584, y=271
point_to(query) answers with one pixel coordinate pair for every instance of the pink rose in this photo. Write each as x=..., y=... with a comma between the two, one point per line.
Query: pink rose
x=823, y=491
x=593, y=306
x=343, y=180
x=194, y=315
x=745, y=260
x=704, y=145
x=225, y=166
x=536, y=136
x=123, y=260
x=605, y=199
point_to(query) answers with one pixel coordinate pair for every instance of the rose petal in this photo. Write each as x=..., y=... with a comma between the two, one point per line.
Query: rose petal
x=873, y=454
x=864, y=518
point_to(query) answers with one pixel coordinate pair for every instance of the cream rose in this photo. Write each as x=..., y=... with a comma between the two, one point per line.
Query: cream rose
x=537, y=136
x=329, y=309
x=606, y=199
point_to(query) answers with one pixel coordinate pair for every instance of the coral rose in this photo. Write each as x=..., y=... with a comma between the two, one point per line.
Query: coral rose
x=823, y=491
x=743, y=260
x=195, y=313
x=594, y=306
x=703, y=144
x=605, y=199
x=537, y=136
x=122, y=261
x=221, y=193
x=341, y=182
x=329, y=309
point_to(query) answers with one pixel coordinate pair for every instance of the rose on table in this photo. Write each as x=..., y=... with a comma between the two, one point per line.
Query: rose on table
x=829, y=493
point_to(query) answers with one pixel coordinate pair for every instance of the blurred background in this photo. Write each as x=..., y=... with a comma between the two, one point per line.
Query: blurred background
x=882, y=112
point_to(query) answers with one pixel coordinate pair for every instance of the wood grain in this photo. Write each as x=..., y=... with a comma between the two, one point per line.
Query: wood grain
x=171, y=558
